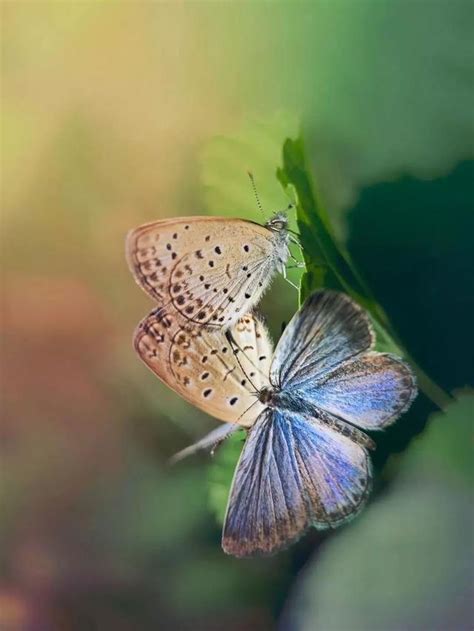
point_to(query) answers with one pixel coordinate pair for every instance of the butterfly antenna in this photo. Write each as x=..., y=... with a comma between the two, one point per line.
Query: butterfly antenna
x=252, y=179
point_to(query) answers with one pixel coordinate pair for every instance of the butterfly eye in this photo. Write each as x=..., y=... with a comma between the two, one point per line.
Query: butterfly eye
x=278, y=224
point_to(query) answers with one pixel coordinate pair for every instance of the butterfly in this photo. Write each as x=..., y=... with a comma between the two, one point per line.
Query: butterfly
x=208, y=271
x=305, y=461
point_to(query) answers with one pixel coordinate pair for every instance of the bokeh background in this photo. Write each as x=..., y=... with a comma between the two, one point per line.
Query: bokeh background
x=117, y=113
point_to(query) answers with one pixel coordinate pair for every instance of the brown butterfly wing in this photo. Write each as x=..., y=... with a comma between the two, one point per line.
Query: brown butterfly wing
x=216, y=374
x=208, y=270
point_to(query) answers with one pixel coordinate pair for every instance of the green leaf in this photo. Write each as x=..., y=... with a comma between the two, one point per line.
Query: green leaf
x=329, y=266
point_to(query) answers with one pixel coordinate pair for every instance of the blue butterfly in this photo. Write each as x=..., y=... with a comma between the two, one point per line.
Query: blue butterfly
x=306, y=459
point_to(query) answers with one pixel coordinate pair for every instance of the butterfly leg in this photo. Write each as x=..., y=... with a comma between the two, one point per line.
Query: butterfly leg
x=288, y=280
x=211, y=440
x=295, y=240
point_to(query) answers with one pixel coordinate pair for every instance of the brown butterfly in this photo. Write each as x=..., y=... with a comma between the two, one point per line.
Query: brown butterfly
x=208, y=271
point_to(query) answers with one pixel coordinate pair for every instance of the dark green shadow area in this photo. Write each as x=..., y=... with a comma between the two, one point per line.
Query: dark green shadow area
x=412, y=240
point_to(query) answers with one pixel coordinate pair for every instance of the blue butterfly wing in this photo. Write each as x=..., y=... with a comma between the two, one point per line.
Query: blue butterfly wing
x=370, y=391
x=323, y=361
x=293, y=473
x=329, y=329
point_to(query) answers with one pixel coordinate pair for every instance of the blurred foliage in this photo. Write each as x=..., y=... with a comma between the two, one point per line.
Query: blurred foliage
x=405, y=564
x=412, y=241
x=226, y=160
x=221, y=473
x=114, y=114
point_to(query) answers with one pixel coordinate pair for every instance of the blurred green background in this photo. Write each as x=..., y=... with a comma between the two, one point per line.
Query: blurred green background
x=116, y=113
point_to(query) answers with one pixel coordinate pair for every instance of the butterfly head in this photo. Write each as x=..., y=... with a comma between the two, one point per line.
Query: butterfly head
x=278, y=223
x=281, y=399
x=267, y=396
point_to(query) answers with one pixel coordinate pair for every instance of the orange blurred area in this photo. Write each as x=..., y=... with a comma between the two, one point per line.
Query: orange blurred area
x=105, y=109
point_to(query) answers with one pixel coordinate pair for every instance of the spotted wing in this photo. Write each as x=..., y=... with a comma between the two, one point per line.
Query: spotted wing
x=209, y=270
x=217, y=373
x=293, y=473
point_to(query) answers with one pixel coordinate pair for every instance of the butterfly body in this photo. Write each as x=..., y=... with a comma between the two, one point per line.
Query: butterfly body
x=276, y=399
x=208, y=271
